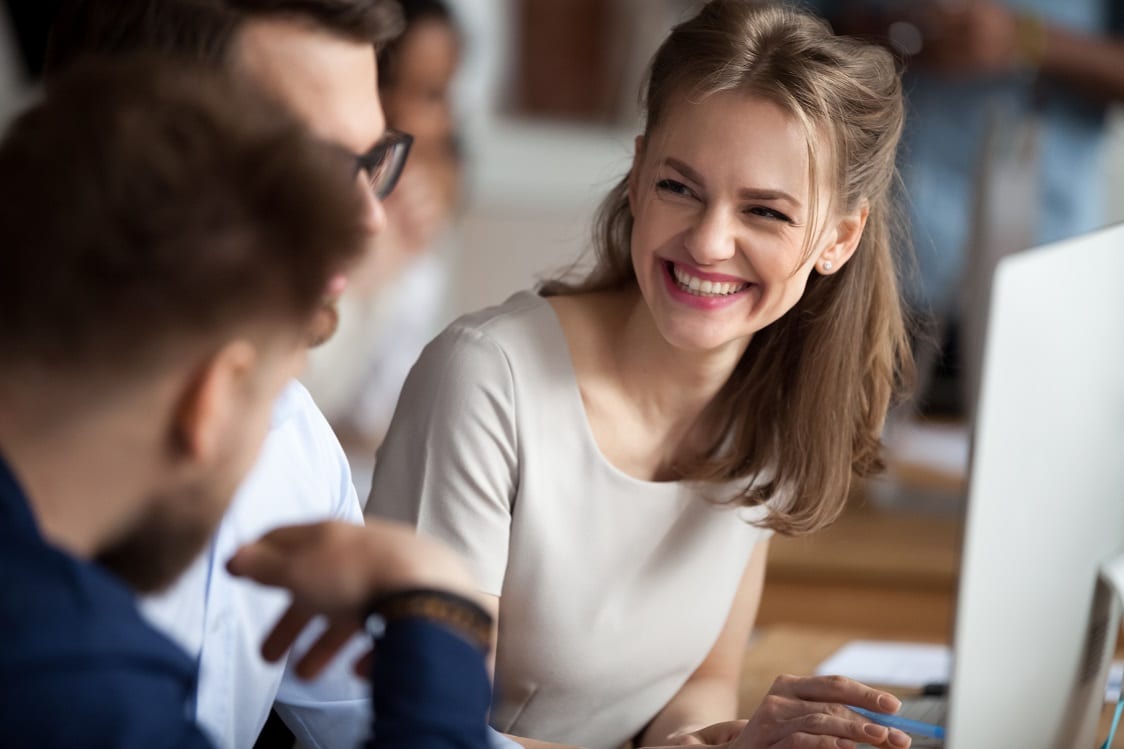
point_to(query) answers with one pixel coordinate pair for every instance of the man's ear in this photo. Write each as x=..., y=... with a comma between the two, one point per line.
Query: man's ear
x=210, y=398
x=634, y=172
x=848, y=233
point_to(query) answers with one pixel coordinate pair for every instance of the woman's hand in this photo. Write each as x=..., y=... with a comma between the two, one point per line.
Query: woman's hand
x=718, y=734
x=807, y=713
x=810, y=713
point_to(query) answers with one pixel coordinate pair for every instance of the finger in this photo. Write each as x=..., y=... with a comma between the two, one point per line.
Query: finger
x=855, y=727
x=895, y=739
x=729, y=731
x=268, y=560
x=364, y=665
x=717, y=733
x=813, y=741
x=326, y=647
x=840, y=689
x=260, y=561
x=806, y=717
x=790, y=710
x=293, y=536
x=777, y=710
x=285, y=632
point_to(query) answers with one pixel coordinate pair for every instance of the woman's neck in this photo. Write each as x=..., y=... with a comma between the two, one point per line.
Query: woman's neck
x=666, y=382
x=645, y=400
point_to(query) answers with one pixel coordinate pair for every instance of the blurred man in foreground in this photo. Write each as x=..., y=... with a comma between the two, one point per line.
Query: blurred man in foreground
x=167, y=239
x=318, y=58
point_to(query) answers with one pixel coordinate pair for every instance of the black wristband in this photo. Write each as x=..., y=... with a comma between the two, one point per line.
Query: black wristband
x=465, y=617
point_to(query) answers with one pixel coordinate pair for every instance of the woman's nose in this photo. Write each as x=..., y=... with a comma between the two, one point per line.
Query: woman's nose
x=712, y=239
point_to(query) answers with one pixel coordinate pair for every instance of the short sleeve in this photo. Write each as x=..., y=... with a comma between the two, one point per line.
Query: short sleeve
x=345, y=500
x=333, y=709
x=314, y=438
x=449, y=464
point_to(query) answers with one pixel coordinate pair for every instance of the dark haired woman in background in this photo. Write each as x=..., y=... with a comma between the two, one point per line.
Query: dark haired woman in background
x=395, y=300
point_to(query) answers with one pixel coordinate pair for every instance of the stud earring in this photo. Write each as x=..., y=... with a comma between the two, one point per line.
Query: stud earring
x=827, y=265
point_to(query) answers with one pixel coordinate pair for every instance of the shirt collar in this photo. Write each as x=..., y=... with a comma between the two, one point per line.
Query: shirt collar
x=286, y=405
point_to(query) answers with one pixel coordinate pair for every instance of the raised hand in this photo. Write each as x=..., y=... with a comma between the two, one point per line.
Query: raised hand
x=335, y=569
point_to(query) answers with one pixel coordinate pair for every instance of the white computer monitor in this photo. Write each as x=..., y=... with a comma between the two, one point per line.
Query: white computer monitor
x=1034, y=628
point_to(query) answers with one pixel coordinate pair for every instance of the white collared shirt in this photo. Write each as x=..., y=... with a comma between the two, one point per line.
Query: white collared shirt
x=301, y=476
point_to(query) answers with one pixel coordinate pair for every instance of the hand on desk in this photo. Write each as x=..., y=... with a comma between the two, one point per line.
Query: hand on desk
x=807, y=713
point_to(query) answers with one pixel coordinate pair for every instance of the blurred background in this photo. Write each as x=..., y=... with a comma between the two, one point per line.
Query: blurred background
x=525, y=112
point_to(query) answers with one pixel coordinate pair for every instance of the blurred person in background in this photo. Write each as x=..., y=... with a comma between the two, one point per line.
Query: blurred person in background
x=395, y=300
x=982, y=72
x=318, y=57
x=147, y=336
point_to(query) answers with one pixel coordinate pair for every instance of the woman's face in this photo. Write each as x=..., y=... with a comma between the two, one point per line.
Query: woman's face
x=720, y=197
x=418, y=101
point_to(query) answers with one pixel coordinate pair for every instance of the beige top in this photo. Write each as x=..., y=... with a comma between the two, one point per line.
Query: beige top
x=612, y=589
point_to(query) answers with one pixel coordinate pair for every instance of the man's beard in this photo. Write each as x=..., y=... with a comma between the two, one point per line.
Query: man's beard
x=160, y=547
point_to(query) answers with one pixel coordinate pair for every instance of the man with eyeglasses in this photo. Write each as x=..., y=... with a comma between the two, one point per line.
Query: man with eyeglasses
x=317, y=57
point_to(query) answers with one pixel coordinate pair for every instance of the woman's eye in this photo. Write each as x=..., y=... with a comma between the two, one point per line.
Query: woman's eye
x=764, y=212
x=675, y=188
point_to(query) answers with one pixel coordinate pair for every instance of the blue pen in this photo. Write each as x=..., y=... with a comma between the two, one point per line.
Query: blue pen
x=915, y=727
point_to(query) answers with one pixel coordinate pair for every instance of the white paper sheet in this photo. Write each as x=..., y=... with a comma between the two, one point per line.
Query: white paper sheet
x=909, y=664
x=891, y=664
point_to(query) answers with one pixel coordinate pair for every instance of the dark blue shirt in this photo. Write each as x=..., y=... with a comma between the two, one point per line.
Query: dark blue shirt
x=79, y=667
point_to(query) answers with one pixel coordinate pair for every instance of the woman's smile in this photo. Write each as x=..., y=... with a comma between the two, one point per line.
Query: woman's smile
x=700, y=290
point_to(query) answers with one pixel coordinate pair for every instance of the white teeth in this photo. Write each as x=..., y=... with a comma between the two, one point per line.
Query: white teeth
x=699, y=287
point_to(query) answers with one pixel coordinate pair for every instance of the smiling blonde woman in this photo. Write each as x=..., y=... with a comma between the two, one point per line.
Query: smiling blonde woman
x=612, y=453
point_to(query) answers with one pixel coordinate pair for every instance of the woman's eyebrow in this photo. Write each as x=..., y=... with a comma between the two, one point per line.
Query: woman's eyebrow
x=745, y=193
x=683, y=169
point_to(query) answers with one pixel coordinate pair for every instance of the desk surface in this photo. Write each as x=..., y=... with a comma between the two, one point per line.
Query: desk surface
x=884, y=573
x=798, y=650
x=877, y=546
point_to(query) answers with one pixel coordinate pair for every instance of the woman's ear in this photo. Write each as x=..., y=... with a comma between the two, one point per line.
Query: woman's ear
x=634, y=173
x=848, y=233
x=210, y=399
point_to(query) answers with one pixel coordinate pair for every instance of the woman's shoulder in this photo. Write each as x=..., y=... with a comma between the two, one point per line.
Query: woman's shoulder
x=532, y=336
x=523, y=316
x=521, y=330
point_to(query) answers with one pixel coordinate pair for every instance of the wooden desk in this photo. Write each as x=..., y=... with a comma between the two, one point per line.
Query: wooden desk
x=883, y=573
x=798, y=650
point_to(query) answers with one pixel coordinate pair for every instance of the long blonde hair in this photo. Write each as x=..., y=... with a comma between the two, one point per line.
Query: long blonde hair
x=802, y=414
